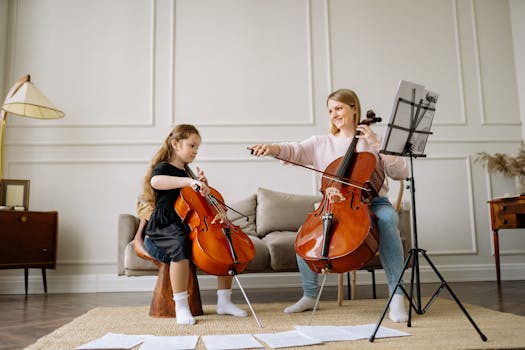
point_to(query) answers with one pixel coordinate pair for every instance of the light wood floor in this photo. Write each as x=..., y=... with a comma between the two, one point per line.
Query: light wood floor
x=25, y=319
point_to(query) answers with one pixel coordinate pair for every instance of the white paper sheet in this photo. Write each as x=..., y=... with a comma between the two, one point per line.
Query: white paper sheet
x=365, y=331
x=233, y=341
x=325, y=333
x=287, y=339
x=183, y=342
x=114, y=341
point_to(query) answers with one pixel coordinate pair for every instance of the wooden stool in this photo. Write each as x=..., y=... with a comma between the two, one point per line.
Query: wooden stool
x=162, y=303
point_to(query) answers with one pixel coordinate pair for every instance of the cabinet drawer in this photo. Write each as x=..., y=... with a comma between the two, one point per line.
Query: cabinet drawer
x=506, y=221
x=28, y=239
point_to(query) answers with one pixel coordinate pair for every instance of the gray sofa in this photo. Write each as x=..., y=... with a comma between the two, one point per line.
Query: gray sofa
x=274, y=219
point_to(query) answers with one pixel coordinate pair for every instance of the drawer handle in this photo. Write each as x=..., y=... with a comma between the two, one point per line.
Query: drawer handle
x=23, y=218
x=503, y=208
x=505, y=222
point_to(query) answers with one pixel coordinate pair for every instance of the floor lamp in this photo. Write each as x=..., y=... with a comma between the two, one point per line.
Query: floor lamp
x=25, y=100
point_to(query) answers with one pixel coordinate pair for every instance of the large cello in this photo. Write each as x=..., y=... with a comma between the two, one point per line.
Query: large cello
x=218, y=246
x=341, y=234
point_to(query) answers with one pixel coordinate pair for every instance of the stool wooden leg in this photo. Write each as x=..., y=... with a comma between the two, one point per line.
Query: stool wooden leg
x=194, y=293
x=162, y=303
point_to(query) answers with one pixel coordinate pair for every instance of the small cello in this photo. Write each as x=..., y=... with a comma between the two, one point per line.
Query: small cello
x=341, y=234
x=218, y=246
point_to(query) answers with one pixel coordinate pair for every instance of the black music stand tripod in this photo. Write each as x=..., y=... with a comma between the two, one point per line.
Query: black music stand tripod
x=413, y=111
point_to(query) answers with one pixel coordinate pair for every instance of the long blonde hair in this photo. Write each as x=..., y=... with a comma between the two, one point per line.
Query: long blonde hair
x=164, y=154
x=348, y=97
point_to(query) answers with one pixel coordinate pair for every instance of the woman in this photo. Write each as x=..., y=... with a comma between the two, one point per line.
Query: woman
x=344, y=111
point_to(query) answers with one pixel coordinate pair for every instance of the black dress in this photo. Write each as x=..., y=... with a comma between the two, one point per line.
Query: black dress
x=165, y=228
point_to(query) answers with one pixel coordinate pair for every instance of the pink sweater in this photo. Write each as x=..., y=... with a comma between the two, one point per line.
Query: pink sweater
x=321, y=150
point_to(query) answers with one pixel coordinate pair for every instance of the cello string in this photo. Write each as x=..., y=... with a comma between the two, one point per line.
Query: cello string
x=345, y=183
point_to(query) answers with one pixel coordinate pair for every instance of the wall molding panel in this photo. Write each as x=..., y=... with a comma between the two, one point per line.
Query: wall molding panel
x=256, y=71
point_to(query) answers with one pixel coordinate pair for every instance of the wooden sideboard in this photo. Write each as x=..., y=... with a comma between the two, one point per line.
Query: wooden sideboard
x=505, y=213
x=28, y=240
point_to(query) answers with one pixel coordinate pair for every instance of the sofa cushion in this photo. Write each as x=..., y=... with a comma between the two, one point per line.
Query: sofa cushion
x=279, y=211
x=247, y=207
x=133, y=262
x=282, y=252
x=261, y=261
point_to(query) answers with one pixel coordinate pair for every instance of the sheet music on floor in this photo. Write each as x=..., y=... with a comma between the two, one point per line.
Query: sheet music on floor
x=287, y=339
x=230, y=342
x=342, y=333
x=326, y=333
x=182, y=342
x=114, y=341
x=364, y=331
x=302, y=336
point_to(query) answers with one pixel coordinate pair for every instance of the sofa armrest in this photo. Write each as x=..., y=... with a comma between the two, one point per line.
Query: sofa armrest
x=127, y=227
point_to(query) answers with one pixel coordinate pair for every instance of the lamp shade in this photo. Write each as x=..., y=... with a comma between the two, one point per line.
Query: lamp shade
x=28, y=101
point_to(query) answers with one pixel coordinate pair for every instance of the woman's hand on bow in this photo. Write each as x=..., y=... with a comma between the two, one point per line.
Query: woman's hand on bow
x=265, y=150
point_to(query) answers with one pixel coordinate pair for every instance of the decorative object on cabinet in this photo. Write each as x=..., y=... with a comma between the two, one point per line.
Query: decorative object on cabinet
x=14, y=194
x=29, y=240
x=506, y=165
x=25, y=100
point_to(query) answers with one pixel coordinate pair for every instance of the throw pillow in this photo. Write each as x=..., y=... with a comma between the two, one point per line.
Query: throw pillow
x=247, y=207
x=279, y=211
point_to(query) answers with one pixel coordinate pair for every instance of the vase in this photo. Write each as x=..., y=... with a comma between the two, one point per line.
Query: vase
x=520, y=184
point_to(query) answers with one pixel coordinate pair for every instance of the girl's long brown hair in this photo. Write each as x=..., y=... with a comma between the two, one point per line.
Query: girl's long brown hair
x=164, y=154
x=348, y=97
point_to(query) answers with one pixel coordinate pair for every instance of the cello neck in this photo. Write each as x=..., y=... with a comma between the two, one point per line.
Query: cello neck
x=189, y=171
x=346, y=162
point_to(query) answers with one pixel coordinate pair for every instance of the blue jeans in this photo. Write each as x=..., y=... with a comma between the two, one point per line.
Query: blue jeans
x=390, y=249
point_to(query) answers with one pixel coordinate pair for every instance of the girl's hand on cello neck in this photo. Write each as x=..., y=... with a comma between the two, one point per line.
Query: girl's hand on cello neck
x=200, y=176
x=199, y=186
x=265, y=150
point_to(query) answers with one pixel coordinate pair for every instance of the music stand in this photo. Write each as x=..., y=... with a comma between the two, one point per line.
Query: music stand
x=406, y=136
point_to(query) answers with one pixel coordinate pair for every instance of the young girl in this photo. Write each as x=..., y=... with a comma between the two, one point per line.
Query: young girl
x=166, y=235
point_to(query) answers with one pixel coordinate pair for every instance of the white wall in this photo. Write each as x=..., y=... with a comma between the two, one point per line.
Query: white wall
x=248, y=71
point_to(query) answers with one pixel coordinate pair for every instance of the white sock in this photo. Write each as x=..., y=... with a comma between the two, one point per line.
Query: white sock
x=182, y=308
x=225, y=305
x=305, y=303
x=397, y=309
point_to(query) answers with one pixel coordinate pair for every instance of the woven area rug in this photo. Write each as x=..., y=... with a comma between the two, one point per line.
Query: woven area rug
x=443, y=326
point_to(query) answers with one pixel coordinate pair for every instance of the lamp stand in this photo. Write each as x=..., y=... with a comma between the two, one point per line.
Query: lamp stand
x=3, y=118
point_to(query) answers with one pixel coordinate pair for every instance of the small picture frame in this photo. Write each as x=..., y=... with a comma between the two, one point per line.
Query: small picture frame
x=14, y=194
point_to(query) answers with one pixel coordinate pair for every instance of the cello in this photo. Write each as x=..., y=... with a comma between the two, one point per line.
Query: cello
x=218, y=246
x=341, y=234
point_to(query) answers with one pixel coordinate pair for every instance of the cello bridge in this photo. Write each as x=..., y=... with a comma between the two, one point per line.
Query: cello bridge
x=219, y=218
x=334, y=195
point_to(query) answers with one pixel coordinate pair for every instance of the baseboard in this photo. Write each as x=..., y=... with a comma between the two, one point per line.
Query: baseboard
x=13, y=284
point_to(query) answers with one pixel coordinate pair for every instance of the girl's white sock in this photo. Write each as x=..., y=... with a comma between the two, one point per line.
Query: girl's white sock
x=182, y=308
x=225, y=305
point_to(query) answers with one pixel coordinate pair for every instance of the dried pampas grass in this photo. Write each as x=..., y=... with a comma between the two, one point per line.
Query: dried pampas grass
x=505, y=164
